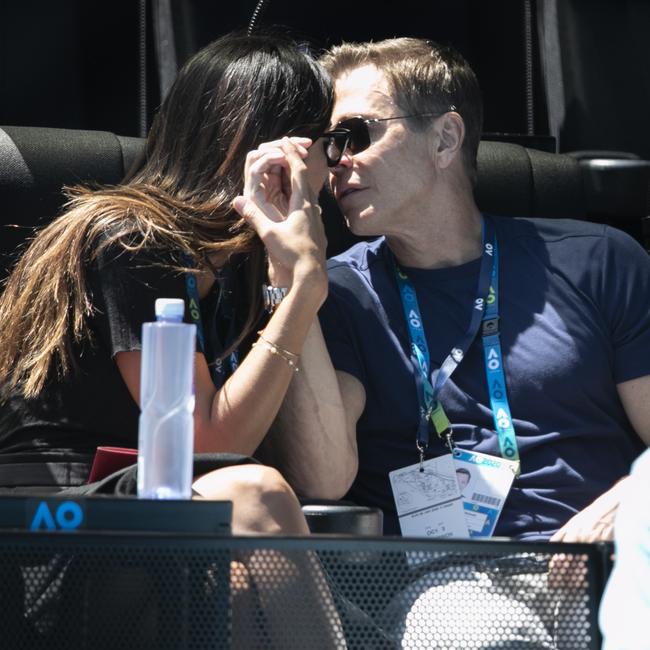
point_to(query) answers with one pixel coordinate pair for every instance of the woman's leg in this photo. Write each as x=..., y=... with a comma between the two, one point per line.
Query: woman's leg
x=279, y=597
x=263, y=502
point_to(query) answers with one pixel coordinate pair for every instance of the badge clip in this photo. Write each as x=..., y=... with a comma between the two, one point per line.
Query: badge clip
x=421, y=449
x=448, y=440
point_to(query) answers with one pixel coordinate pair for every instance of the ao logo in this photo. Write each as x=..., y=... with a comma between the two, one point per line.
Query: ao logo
x=502, y=419
x=497, y=391
x=493, y=359
x=67, y=516
x=414, y=319
x=194, y=306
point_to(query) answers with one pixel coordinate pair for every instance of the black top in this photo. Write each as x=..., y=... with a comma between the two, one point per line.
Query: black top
x=92, y=406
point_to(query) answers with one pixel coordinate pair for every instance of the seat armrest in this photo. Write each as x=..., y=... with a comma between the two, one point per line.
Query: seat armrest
x=343, y=518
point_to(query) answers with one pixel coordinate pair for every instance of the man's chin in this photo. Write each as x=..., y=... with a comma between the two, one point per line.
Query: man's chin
x=360, y=225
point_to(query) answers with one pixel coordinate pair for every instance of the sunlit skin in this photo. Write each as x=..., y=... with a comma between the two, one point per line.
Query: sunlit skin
x=275, y=185
x=406, y=184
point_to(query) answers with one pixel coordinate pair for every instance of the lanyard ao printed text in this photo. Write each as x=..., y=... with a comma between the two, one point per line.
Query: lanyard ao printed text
x=485, y=309
x=494, y=374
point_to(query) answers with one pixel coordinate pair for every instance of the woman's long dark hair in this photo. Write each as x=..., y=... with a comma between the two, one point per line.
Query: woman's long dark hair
x=237, y=92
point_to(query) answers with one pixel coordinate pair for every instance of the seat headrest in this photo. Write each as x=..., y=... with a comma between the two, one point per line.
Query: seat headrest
x=36, y=162
x=518, y=182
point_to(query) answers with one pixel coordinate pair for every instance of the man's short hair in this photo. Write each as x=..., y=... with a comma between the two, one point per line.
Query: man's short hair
x=424, y=77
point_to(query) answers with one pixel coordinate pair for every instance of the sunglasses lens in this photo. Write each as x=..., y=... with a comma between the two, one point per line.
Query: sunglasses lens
x=336, y=143
x=359, y=134
x=351, y=135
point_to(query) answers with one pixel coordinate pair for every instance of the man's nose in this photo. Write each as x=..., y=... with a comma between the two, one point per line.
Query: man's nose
x=343, y=164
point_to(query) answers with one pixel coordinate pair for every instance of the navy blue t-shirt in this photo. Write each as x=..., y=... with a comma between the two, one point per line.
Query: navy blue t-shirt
x=575, y=321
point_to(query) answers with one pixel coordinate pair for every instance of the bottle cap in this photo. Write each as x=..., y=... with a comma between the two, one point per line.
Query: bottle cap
x=170, y=309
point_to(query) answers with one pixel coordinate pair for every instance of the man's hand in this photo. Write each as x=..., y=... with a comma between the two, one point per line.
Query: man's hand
x=596, y=522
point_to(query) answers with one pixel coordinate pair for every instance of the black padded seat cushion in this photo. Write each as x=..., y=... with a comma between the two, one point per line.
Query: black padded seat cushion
x=516, y=181
x=36, y=162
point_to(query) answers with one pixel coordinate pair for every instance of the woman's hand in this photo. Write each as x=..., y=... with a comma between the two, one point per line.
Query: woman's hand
x=313, y=440
x=280, y=203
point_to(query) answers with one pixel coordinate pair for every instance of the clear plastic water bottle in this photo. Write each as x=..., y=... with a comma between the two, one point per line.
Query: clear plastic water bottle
x=166, y=431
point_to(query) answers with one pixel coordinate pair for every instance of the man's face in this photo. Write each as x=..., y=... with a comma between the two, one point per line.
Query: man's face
x=382, y=189
x=463, y=480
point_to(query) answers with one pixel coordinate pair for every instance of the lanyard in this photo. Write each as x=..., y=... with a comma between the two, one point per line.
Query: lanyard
x=217, y=369
x=485, y=308
x=494, y=375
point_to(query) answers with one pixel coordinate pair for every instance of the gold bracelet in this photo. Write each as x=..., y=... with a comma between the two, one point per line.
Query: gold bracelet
x=291, y=358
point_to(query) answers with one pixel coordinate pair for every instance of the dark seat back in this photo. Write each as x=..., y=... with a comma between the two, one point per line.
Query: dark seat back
x=35, y=163
x=513, y=181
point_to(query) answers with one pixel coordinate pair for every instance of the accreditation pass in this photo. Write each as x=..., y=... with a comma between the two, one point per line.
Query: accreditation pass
x=484, y=482
x=429, y=502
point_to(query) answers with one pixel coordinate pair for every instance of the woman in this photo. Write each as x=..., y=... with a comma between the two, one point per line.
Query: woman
x=72, y=310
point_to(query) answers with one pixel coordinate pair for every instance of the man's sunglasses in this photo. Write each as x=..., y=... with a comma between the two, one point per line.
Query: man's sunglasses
x=353, y=135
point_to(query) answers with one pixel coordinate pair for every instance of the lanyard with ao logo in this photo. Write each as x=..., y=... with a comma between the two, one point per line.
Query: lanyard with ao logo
x=486, y=311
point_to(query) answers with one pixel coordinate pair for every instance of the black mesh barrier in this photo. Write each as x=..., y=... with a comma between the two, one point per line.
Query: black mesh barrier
x=80, y=590
x=393, y=593
x=70, y=590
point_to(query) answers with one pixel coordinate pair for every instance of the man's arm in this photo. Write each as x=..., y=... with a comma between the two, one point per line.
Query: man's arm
x=596, y=522
x=313, y=440
x=635, y=395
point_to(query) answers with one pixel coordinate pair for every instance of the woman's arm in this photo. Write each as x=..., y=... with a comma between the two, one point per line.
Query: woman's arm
x=237, y=417
x=313, y=441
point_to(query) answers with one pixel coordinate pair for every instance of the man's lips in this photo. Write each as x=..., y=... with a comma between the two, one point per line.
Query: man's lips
x=348, y=191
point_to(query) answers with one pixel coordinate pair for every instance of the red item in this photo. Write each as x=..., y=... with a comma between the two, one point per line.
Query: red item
x=109, y=460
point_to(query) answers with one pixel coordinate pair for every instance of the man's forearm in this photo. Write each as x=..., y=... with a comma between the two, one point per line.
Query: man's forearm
x=311, y=442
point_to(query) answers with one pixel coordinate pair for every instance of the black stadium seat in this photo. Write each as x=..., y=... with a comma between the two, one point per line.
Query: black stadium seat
x=36, y=162
x=514, y=181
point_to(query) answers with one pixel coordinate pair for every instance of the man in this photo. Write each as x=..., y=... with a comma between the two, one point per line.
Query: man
x=569, y=316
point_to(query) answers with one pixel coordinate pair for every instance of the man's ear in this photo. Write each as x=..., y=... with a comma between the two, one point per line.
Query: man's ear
x=451, y=134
